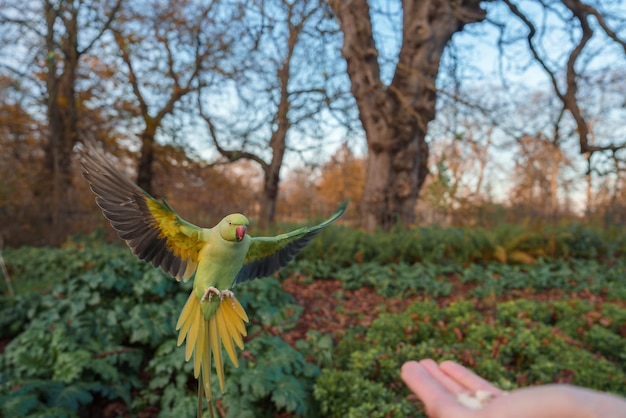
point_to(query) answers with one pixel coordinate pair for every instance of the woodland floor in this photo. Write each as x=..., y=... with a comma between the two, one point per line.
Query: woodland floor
x=330, y=309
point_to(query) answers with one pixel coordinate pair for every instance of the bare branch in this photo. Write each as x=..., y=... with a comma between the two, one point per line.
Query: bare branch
x=586, y=9
x=568, y=97
x=231, y=155
x=105, y=27
x=132, y=77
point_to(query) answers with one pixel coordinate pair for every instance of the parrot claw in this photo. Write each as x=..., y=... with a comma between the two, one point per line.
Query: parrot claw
x=209, y=293
x=228, y=294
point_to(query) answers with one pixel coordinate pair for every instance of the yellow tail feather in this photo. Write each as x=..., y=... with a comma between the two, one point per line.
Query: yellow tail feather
x=205, y=337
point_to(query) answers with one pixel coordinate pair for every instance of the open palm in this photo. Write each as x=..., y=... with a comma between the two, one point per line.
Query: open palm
x=443, y=387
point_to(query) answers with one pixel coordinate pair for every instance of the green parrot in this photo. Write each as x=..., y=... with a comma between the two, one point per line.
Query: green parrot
x=217, y=258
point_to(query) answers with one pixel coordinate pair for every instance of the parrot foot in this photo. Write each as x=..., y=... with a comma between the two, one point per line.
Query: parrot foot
x=228, y=294
x=209, y=293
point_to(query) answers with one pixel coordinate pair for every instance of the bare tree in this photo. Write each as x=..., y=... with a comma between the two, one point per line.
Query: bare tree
x=581, y=18
x=165, y=49
x=281, y=92
x=395, y=116
x=537, y=177
x=585, y=74
x=603, y=102
x=46, y=34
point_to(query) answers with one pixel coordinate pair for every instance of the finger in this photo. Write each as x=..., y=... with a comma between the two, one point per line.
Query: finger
x=438, y=400
x=445, y=380
x=423, y=383
x=467, y=379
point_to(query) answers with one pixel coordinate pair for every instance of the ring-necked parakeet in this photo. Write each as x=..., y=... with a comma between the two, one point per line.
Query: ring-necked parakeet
x=217, y=258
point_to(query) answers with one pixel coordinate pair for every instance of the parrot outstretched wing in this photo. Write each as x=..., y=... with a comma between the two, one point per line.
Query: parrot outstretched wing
x=152, y=229
x=269, y=254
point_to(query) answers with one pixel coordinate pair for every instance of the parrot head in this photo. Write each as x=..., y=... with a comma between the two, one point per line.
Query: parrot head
x=233, y=227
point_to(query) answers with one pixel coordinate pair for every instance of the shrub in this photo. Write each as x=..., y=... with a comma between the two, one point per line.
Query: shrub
x=521, y=345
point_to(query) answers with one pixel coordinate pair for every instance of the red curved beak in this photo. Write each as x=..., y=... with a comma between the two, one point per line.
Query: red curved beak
x=240, y=232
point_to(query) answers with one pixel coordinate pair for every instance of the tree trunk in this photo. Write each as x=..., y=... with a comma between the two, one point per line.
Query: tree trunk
x=144, y=169
x=589, y=203
x=278, y=144
x=393, y=179
x=62, y=118
x=269, y=196
x=555, y=167
x=278, y=140
x=395, y=117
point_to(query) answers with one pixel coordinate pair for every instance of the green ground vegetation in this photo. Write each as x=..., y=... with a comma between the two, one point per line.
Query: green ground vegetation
x=91, y=328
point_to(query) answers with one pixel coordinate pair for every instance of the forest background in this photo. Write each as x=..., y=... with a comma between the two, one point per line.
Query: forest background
x=515, y=112
x=482, y=145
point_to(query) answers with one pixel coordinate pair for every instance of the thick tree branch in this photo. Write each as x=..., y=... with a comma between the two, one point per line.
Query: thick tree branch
x=568, y=97
x=581, y=9
x=359, y=49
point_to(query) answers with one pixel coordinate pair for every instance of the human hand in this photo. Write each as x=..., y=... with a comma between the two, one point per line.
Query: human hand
x=439, y=387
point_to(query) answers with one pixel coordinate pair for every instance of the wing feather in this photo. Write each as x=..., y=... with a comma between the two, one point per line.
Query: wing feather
x=152, y=229
x=269, y=254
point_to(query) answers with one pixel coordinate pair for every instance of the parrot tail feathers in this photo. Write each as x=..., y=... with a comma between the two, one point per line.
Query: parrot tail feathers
x=206, y=337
